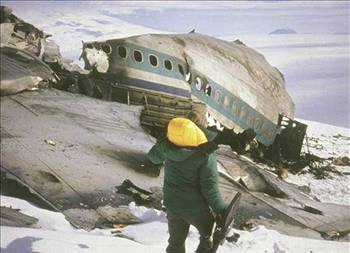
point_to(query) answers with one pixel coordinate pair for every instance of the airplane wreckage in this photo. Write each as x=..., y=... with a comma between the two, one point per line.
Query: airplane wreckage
x=81, y=152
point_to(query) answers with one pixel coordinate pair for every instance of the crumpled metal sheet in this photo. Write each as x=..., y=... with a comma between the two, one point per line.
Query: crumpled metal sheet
x=20, y=70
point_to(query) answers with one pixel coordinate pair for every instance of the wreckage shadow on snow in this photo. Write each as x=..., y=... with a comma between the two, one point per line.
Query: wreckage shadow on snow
x=21, y=245
x=25, y=245
x=130, y=158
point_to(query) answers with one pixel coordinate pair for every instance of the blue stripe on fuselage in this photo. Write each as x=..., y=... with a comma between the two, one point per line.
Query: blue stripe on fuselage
x=147, y=85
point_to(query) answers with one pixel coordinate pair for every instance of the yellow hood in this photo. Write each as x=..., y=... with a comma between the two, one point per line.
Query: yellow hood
x=184, y=133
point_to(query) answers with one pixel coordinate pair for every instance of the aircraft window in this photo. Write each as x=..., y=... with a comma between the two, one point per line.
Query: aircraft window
x=250, y=119
x=207, y=89
x=236, y=108
x=269, y=133
x=226, y=101
x=258, y=123
x=137, y=56
x=122, y=51
x=244, y=112
x=153, y=60
x=168, y=65
x=181, y=70
x=188, y=77
x=90, y=46
x=218, y=96
x=233, y=107
x=107, y=48
x=198, y=83
x=97, y=46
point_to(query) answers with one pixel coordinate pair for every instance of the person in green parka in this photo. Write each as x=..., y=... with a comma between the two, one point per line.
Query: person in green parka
x=191, y=193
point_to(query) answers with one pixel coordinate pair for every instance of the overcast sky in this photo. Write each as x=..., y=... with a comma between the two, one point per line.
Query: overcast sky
x=214, y=18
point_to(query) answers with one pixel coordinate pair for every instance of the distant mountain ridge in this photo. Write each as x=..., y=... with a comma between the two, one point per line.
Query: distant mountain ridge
x=283, y=31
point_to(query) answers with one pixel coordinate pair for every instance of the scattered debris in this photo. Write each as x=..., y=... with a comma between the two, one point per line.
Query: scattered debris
x=320, y=167
x=310, y=209
x=233, y=238
x=120, y=225
x=50, y=142
x=118, y=233
x=304, y=188
x=341, y=161
x=141, y=196
x=331, y=235
x=118, y=215
x=282, y=173
x=239, y=42
x=322, y=171
x=249, y=225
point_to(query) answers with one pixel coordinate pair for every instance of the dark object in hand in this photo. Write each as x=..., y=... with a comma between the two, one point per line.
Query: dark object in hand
x=225, y=136
x=237, y=142
x=240, y=142
x=224, y=222
x=247, y=135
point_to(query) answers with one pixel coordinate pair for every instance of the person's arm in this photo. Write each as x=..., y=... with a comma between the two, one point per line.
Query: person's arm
x=154, y=160
x=237, y=142
x=226, y=137
x=209, y=185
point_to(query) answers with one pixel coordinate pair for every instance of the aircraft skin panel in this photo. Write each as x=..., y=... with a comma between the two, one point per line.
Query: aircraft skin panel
x=98, y=144
x=20, y=70
x=43, y=180
x=279, y=199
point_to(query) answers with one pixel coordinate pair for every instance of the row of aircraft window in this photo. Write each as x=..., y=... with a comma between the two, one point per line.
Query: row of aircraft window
x=137, y=55
x=238, y=109
x=153, y=60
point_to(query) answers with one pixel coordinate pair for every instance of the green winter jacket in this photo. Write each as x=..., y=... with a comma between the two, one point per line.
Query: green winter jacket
x=190, y=179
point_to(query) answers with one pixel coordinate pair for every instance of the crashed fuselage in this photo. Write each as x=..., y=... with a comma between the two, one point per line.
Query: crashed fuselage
x=240, y=88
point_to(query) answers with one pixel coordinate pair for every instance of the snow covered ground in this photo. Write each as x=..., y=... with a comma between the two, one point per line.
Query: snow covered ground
x=54, y=234
x=327, y=141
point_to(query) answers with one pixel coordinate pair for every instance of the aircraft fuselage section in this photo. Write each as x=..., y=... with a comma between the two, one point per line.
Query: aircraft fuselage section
x=238, y=96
